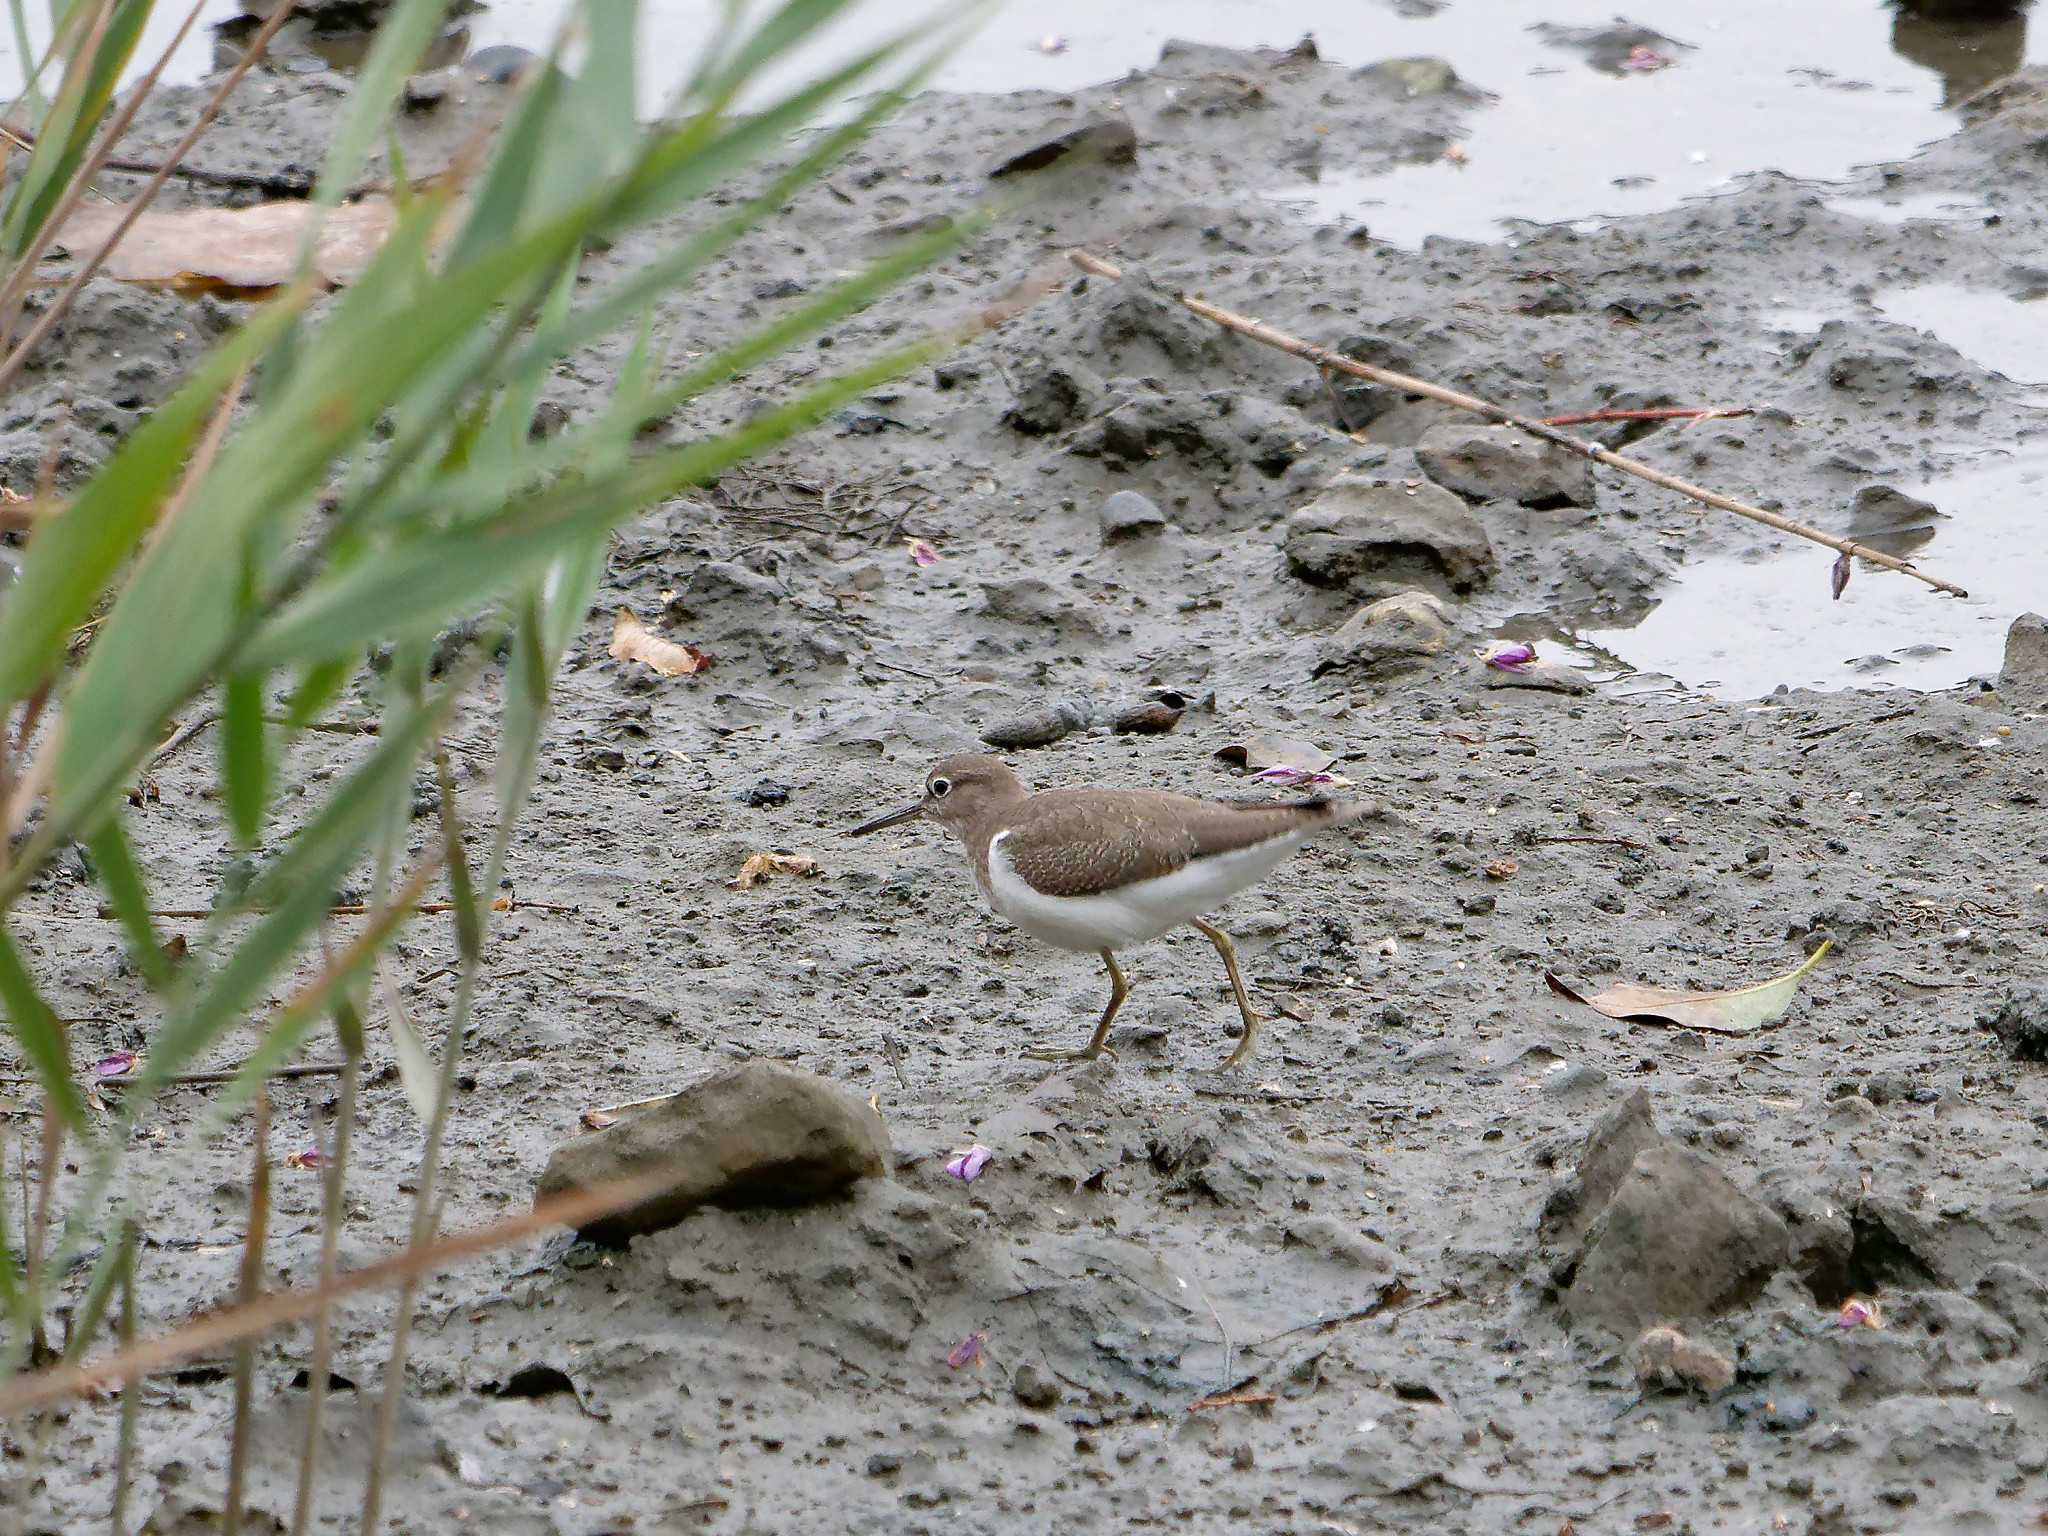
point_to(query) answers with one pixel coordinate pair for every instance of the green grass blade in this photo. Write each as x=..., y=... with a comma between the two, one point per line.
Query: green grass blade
x=72, y=558
x=243, y=760
x=67, y=133
x=318, y=687
x=41, y=1036
x=421, y=584
x=128, y=893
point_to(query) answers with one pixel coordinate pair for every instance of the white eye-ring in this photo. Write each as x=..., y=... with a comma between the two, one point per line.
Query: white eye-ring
x=941, y=787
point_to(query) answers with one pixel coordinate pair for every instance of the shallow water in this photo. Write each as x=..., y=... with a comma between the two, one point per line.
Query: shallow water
x=1741, y=627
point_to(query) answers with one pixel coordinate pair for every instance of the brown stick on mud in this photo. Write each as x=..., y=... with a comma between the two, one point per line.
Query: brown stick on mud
x=1324, y=358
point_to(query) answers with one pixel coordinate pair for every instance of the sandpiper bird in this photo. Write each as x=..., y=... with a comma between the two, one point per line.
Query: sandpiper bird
x=1102, y=869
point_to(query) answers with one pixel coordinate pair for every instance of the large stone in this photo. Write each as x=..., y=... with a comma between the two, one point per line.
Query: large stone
x=1378, y=537
x=2024, y=677
x=762, y=1134
x=1390, y=635
x=1491, y=463
x=1604, y=1161
x=1128, y=515
x=1678, y=1240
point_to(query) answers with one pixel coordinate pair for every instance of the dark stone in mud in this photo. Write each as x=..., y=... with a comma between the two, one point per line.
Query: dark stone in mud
x=1050, y=397
x=719, y=581
x=1034, y=1389
x=762, y=1134
x=1678, y=1240
x=1380, y=537
x=2023, y=679
x=1888, y=519
x=1607, y=48
x=1360, y=402
x=1041, y=728
x=1127, y=515
x=1410, y=78
x=1108, y=139
x=1488, y=463
x=1394, y=634
x=499, y=64
x=1604, y=1161
x=2021, y=1021
x=1541, y=676
x=767, y=792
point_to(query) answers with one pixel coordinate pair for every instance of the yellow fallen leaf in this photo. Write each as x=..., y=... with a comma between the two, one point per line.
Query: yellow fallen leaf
x=760, y=866
x=1736, y=1012
x=244, y=250
x=634, y=641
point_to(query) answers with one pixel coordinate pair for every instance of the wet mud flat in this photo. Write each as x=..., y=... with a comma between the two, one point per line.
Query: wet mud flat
x=1403, y=1264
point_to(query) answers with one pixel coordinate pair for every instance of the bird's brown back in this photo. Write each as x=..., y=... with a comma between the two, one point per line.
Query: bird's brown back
x=1081, y=842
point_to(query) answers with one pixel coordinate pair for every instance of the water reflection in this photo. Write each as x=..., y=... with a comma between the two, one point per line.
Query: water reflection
x=1969, y=43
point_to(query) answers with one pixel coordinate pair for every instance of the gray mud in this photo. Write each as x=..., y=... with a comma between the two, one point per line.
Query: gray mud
x=1385, y=1226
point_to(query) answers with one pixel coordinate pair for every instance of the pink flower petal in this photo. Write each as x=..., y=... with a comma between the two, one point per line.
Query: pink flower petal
x=968, y=1350
x=120, y=1064
x=1513, y=657
x=922, y=553
x=1858, y=1313
x=966, y=1166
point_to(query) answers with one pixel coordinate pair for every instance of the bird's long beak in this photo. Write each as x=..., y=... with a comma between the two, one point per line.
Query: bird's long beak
x=907, y=813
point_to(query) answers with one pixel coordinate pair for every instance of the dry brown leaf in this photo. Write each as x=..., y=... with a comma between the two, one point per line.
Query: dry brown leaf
x=760, y=866
x=242, y=250
x=634, y=641
x=1737, y=1012
x=1263, y=751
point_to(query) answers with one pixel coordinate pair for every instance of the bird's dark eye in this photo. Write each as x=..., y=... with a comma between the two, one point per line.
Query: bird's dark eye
x=941, y=788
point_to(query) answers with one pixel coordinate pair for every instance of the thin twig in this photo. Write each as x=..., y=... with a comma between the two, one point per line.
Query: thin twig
x=251, y=1288
x=360, y=909
x=131, y=1391
x=195, y=1079
x=469, y=920
x=61, y=305
x=1656, y=413
x=348, y=1025
x=1618, y=842
x=1323, y=357
x=181, y=736
x=28, y=1392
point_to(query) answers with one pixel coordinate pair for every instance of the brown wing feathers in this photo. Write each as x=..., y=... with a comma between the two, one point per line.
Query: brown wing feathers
x=1080, y=842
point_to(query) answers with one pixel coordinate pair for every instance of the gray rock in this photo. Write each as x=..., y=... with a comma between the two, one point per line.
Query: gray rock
x=1604, y=1161
x=1668, y=1361
x=1128, y=515
x=762, y=1134
x=1034, y=1389
x=2021, y=1021
x=1050, y=396
x=1387, y=636
x=500, y=64
x=1543, y=676
x=1677, y=1241
x=719, y=581
x=1890, y=520
x=1379, y=537
x=2024, y=677
x=1490, y=463
x=1110, y=139
x=1360, y=402
x=1607, y=48
x=1030, y=600
x=1410, y=78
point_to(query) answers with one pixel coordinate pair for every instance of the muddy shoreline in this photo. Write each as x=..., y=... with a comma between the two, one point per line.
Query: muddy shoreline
x=1376, y=1228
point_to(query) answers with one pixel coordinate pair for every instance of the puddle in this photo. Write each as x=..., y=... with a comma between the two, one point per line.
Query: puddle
x=2007, y=335
x=1915, y=208
x=1740, y=628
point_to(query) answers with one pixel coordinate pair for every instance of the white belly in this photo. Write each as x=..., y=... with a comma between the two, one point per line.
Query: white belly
x=1133, y=913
